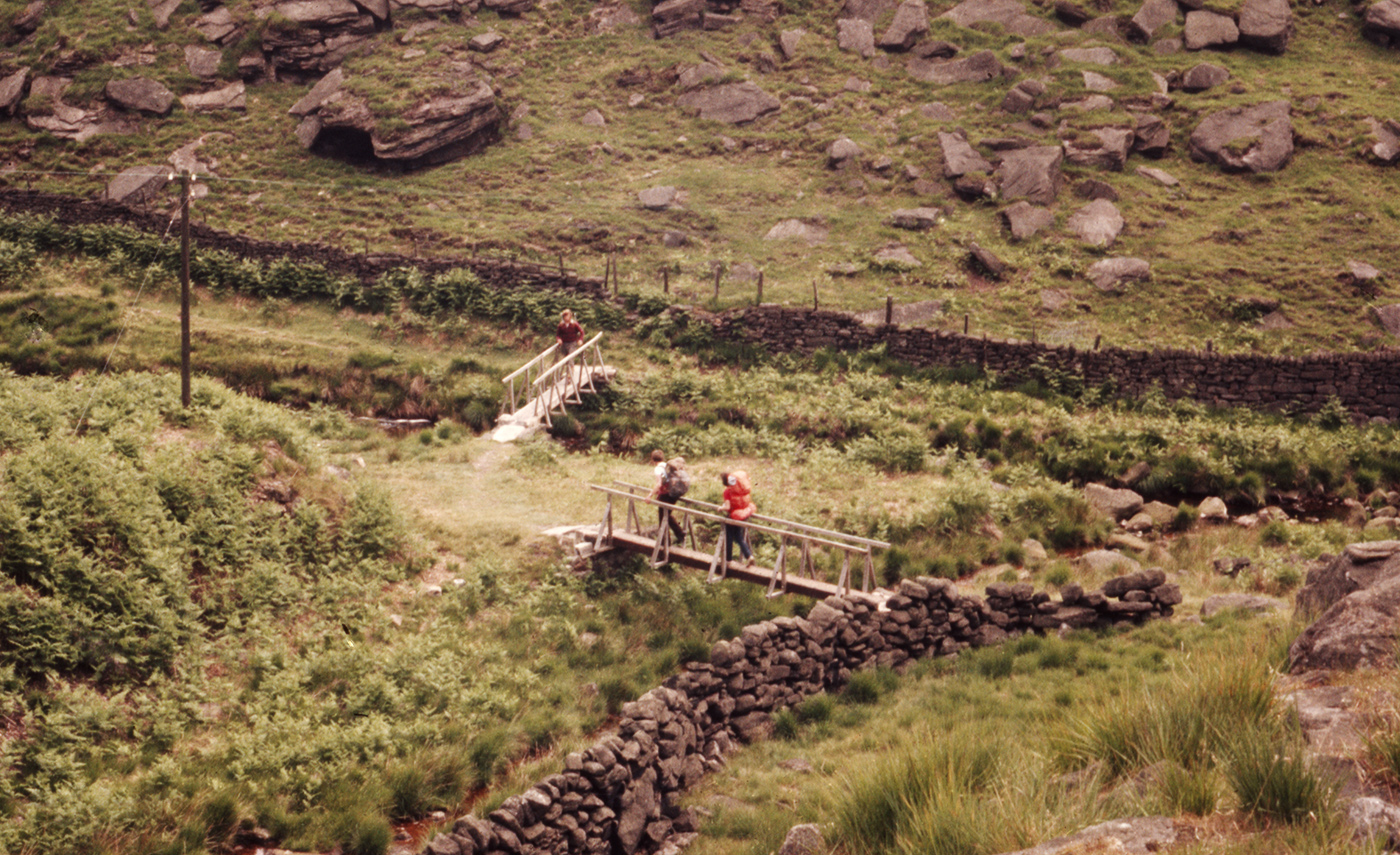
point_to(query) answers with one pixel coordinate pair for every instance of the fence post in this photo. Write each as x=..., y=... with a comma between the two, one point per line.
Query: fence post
x=965, y=321
x=665, y=281
x=561, y=264
x=759, y=301
x=614, y=269
x=717, y=281
x=889, y=310
x=814, y=295
x=1097, y=339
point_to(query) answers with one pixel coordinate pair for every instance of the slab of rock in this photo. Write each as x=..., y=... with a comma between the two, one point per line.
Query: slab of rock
x=987, y=260
x=218, y=26
x=161, y=10
x=702, y=74
x=1359, y=631
x=137, y=185
x=1024, y=220
x=1199, y=78
x=1266, y=25
x=1213, y=509
x=1359, y=566
x=657, y=198
x=203, y=62
x=1381, y=23
x=324, y=88
x=1032, y=174
x=1388, y=317
x=981, y=67
x=1151, y=17
x=1106, y=561
x=917, y=219
x=1022, y=97
x=959, y=157
x=1071, y=13
x=1375, y=821
x=1011, y=14
x=1097, y=223
x=672, y=16
x=141, y=94
x=812, y=233
x=1151, y=136
x=1111, y=274
x=731, y=103
x=1387, y=146
x=1095, y=82
x=937, y=112
x=855, y=35
x=231, y=97
x=1161, y=176
x=896, y=256
x=803, y=840
x=462, y=119
x=12, y=88
x=1108, y=151
x=1091, y=55
x=1246, y=139
x=909, y=24
x=1209, y=29
x=1254, y=603
x=486, y=42
x=1115, y=503
x=593, y=119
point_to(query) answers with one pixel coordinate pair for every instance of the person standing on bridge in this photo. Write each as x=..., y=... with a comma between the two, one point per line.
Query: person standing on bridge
x=675, y=482
x=569, y=333
x=738, y=504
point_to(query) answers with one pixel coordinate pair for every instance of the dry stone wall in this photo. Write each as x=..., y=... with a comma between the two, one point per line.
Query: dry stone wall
x=620, y=796
x=1368, y=384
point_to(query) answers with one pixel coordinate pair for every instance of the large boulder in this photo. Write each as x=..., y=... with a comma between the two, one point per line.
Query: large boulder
x=855, y=35
x=1102, y=148
x=1111, y=274
x=140, y=94
x=1203, y=76
x=12, y=89
x=1266, y=25
x=1098, y=223
x=731, y=103
x=981, y=67
x=1359, y=631
x=1381, y=23
x=1024, y=220
x=137, y=185
x=203, y=62
x=1246, y=139
x=1209, y=29
x=910, y=22
x=1032, y=174
x=1359, y=566
x=1151, y=17
x=959, y=157
x=1386, y=148
x=1115, y=503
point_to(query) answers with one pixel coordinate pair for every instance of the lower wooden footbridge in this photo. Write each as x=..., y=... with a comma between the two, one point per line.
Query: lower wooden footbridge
x=800, y=548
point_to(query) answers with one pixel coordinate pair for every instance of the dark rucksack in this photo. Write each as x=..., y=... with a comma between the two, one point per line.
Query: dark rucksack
x=676, y=483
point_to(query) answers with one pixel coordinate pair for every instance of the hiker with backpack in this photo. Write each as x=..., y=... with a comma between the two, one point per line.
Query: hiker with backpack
x=738, y=505
x=674, y=484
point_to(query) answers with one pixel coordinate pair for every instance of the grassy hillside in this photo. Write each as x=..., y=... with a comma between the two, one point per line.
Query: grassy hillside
x=1217, y=242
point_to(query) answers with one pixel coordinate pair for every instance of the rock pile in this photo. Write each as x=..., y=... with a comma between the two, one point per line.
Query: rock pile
x=620, y=795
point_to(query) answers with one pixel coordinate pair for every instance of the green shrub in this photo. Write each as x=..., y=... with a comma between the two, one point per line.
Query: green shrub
x=1186, y=791
x=1270, y=776
x=785, y=725
x=815, y=709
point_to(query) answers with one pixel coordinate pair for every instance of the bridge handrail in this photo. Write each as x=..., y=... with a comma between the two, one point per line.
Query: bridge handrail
x=536, y=381
x=847, y=547
x=802, y=527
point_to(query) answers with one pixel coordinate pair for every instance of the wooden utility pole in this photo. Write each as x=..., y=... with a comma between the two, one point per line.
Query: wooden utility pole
x=185, y=289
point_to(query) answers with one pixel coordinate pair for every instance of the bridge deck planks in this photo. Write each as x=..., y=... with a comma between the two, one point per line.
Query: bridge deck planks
x=760, y=575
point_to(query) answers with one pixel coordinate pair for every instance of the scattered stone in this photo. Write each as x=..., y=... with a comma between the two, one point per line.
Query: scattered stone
x=855, y=35
x=1362, y=275
x=1091, y=56
x=593, y=119
x=1089, y=104
x=323, y=90
x=1213, y=509
x=1388, y=317
x=1205, y=76
x=812, y=233
x=1151, y=17
x=1376, y=821
x=1095, y=82
x=731, y=103
x=1022, y=97
x=705, y=73
x=981, y=67
x=1011, y=14
x=12, y=88
x=1024, y=220
x=803, y=840
x=1387, y=146
x=657, y=198
x=917, y=219
x=672, y=16
x=161, y=10
x=1381, y=23
x=1162, y=177
x=1032, y=174
x=1093, y=189
x=959, y=157
x=936, y=50
x=218, y=26
x=1253, y=603
x=1102, y=562
x=1266, y=25
x=486, y=42
x=141, y=94
x=137, y=185
x=1109, y=151
x=987, y=261
x=1209, y=29
x=231, y=97
x=1151, y=136
x=1111, y=274
x=896, y=257
x=937, y=112
x=1115, y=503
x=842, y=153
x=1246, y=139
x=203, y=62
x=909, y=24
x=1097, y=223
x=1072, y=13
x=788, y=41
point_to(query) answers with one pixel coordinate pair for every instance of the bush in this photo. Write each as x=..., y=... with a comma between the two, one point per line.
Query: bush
x=1270, y=776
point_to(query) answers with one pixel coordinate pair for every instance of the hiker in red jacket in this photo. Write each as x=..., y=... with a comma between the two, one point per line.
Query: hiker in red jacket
x=739, y=506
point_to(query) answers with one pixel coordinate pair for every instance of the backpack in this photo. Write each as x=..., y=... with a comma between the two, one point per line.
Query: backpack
x=676, y=483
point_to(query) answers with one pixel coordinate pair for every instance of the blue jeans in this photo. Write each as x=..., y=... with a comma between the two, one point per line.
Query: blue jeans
x=733, y=534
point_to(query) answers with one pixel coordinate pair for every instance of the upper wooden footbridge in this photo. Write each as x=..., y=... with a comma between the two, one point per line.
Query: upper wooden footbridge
x=546, y=385
x=806, y=559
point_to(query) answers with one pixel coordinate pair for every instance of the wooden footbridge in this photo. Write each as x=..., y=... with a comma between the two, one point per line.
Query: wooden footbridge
x=794, y=568
x=546, y=385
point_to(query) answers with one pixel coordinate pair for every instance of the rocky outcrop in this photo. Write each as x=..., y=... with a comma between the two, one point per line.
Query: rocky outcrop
x=1246, y=139
x=12, y=89
x=1010, y=14
x=621, y=795
x=140, y=94
x=461, y=119
x=1359, y=631
x=311, y=37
